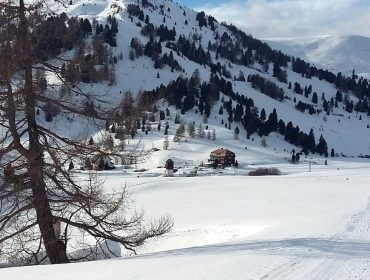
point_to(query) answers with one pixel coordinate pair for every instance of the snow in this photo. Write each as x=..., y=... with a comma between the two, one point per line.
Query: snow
x=135, y=76
x=229, y=225
x=337, y=53
x=298, y=226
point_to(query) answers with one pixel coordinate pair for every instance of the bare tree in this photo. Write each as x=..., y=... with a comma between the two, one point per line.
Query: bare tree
x=42, y=205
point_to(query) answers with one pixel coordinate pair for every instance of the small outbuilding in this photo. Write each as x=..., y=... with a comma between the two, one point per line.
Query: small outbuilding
x=222, y=158
x=170, y=165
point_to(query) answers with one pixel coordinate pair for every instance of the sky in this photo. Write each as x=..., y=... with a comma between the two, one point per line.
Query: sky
x=290, y=18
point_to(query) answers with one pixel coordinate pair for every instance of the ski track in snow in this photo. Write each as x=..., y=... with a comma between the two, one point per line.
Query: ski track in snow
x=211, y=248
x=332, y=255
x=344, y=256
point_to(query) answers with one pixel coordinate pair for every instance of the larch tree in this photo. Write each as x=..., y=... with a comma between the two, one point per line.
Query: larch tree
x=44, y=209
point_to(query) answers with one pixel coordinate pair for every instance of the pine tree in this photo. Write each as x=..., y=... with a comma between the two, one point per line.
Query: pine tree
x=177, y=119
x=113, y=129
x=88, y=164
x=101, y=164
x=294, y=160
x=166, y=143
x=263, y=142
x=71, y=166
x=221, y=111
x=109, y=143
x=322, y=147
x=191, y=130
x=272, y=122
x=162, y=115
x=91, y=141
x=180, y=134
x=236, y=133
x=339, y=96
x=263, y=114
x=311, y=145
x=200, y=132
x=107, y=125
x=315, y=98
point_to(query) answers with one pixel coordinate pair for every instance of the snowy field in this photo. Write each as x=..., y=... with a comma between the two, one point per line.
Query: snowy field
x=300, y=226
x=296, y=226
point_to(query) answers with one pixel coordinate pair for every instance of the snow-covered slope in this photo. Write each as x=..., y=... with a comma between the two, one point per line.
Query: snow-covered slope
x=299, y=227
x=228, y=225
x=338, y=129
x=337, y=53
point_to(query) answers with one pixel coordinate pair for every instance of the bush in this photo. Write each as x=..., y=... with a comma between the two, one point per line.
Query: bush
x=265, y=172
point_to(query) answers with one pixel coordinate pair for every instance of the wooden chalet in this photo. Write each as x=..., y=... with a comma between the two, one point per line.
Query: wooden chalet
x=222, y=158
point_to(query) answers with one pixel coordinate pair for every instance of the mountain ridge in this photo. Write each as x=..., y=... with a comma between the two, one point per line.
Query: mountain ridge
x=141, y=73
x=339, y=53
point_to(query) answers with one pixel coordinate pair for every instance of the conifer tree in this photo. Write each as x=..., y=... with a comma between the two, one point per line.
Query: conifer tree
x=236, y=133
x=166, y=143
x=71, y=166
x=214, y=134
x=263, y=114
x=221, y=111
x=191, y=130
x=315, y=98
x=263, y=142
x=200, y=132
x=322, y=147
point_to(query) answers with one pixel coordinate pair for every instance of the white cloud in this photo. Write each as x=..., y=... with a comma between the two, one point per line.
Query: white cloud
x=292, y=18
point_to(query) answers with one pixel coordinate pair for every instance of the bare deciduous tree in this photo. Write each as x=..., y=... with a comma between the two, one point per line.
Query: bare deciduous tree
x=43, y=207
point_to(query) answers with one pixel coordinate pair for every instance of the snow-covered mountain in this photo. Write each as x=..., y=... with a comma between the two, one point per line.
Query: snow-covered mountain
x=337, y=53
x=141, y=73
x=227, y=225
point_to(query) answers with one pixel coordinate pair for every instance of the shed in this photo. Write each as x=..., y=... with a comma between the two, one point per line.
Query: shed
x=170, y=165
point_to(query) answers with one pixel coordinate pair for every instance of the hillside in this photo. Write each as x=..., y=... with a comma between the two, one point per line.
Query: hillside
x=140, y=74
x=337, y=53
x=172, y=83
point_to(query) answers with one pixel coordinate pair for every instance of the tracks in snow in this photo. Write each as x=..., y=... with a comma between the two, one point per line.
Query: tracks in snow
x=344, y=257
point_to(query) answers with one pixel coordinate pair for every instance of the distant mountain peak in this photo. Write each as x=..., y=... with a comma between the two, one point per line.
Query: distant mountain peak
x=339, y=53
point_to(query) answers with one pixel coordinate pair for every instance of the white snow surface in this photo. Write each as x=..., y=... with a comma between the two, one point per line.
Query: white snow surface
x=346, y=133
x=301, y=225
x=338, y=53
x=298, y=226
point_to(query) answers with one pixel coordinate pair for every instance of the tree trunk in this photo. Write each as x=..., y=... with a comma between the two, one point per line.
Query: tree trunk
x=55, y=248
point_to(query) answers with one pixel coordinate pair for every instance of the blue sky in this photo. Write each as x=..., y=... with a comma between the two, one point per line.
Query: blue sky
x=290, y=18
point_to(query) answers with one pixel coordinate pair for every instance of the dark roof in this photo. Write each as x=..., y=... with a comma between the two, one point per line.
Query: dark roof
x=221, y=152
